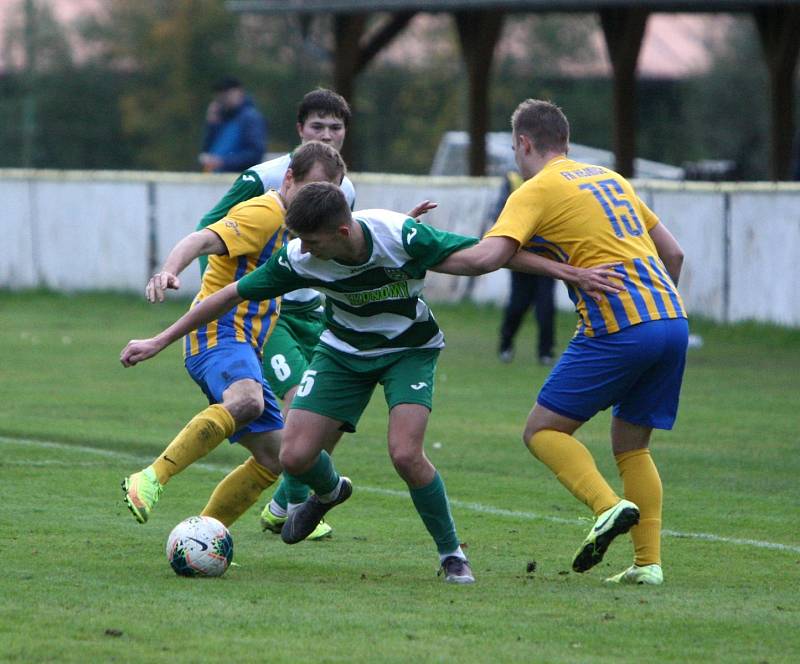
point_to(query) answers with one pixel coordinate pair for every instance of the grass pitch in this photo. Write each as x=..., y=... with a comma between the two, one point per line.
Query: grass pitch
x=83, y=582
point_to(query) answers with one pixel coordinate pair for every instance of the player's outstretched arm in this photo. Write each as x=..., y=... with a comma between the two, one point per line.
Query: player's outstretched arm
x=139, y=350
x=494, y=252
x=488, y=255
x=200, y=243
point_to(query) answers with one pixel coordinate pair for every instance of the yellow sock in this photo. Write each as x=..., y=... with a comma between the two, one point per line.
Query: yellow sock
x=574, y=467
x=642, y=485
x=238, y=491
x=202, y=434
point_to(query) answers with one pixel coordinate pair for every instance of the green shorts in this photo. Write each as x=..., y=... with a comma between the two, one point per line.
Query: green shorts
x=339, y=385
x=290, y=347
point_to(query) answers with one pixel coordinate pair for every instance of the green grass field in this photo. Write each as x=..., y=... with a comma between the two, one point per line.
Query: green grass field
x=84, y=582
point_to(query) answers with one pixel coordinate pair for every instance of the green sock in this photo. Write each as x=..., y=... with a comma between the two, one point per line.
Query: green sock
x=279, y=497
x=293, y=491
x=321, y=477
x=434, y=509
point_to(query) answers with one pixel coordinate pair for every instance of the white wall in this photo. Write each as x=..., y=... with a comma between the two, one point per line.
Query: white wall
x=764, y=254
x=697, y=220
x=77, y=231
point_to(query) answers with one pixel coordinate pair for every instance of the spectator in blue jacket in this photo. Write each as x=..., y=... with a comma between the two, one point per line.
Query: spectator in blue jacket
x=236, y=131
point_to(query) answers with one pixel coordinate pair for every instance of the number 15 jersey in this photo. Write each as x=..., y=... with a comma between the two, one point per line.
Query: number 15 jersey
x=588, y=215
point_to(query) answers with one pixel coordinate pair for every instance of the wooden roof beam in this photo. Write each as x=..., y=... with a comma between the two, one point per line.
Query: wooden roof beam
x=381, y=39
x=624, y=31
x=779, y=27
x=478, y=32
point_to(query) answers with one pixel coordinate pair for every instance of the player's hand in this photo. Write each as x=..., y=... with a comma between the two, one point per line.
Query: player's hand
x=421, y=208
x=159, y=282
x=138, y=350
x=214, y=112
x=595, y=281
x=209, y=162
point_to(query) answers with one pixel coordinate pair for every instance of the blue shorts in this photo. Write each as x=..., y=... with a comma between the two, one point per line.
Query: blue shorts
x=217, y=368
x=638, y=370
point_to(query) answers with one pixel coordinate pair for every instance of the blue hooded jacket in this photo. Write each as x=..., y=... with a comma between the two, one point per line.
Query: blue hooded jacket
x=240, y=139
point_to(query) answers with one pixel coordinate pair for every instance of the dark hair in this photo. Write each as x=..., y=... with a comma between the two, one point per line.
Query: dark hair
x=317, y=152
x=325, y=102
x=544, y=123
x=227, y=83
x=317, y=206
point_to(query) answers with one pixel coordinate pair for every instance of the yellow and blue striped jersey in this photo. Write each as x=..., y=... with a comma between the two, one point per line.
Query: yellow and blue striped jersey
x=252, y=231
x=588, y=215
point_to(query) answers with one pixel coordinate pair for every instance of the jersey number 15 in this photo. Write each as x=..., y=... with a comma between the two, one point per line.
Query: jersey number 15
x=610, y=195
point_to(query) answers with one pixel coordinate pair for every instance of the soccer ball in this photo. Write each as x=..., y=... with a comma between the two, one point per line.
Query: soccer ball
x=200, y=546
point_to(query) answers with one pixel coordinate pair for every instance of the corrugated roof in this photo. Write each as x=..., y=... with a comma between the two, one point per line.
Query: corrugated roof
x=451, y=157
x=349, y=6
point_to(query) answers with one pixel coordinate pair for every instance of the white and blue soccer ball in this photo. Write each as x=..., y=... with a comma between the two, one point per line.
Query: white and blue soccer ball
x=200, y=546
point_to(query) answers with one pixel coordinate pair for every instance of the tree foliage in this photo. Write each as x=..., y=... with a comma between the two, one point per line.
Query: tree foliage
x=730, y=104
x=134, y=95
x=175, y=49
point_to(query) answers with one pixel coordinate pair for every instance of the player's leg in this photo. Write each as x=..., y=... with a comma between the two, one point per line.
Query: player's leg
x=641, y=485
x=548, y=436
x=305, y=460
x=651, y=402
x=284, y=364
x=286, y=356
x=231, y=379
x=333, y=394
x=520, y=299
x=408, y=387
x=407, y=423
x=242, y=487
x=589, y=377
x=291, y=493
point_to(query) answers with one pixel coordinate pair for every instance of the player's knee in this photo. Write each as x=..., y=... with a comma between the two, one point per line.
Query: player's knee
x=267, y=457
x=528, y=433
x=406, y=460
x=530, y=437
x=292, y=461
x=246, y=407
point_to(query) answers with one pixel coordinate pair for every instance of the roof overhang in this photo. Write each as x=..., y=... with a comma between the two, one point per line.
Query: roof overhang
x=352, y=6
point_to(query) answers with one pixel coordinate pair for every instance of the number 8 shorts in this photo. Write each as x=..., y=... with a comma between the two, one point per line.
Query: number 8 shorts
x=289, y=348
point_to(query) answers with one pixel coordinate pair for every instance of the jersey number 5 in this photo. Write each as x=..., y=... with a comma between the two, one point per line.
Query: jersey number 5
x=307, y=383
x=610, y=195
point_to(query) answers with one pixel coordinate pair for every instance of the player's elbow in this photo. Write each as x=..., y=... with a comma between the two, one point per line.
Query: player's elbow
x=673, y=261
x=485, y=262
x=675, y=258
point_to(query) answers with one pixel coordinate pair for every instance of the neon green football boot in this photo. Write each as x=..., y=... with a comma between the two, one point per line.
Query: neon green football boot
x=274, y=523
x=611, y=523
x=142, y=491
x=270, y=521
x=646, y=575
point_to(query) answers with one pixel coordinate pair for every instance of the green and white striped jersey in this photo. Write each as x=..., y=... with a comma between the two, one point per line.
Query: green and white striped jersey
x=376, y=307
x=254, y=182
